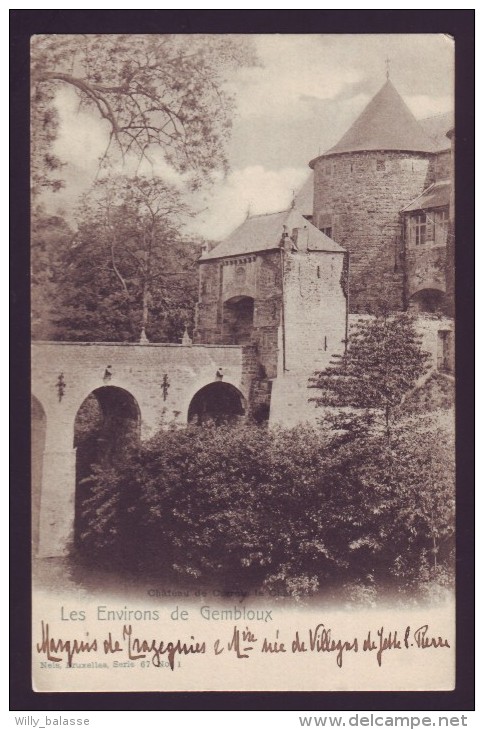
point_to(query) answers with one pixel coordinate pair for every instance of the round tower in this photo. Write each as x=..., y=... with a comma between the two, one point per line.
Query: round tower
x=360, y=186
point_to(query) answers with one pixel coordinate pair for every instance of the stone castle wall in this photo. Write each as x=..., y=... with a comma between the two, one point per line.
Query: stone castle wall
x=359, y=195
x=440, y=167
x=138, y=369
x=314, y=309
x=425, y=268
x=256, y=276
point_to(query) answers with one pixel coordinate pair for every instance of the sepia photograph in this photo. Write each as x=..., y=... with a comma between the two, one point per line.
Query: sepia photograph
x=242, y=362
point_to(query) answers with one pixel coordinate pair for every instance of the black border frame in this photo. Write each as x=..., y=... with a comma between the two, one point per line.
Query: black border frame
x=24, y=23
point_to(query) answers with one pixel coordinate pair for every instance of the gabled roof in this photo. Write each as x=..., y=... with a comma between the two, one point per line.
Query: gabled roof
x=436, y=196
x=386, y=123
x=264, y=232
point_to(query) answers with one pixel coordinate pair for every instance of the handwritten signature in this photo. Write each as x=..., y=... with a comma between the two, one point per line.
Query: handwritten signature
x=242, y=644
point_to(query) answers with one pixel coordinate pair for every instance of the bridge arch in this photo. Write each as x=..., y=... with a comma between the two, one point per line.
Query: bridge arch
x=219, y=401
x=162, y=379
x=106, y=425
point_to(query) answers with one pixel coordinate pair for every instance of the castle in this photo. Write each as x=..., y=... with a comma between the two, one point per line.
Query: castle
x=378, y=233
x=373, y=228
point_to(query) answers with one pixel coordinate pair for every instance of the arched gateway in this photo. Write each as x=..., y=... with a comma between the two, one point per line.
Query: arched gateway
x=238, y=320
x=427, y=301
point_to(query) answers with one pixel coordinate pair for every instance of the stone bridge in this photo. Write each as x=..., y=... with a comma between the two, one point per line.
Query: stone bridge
x=158, y=383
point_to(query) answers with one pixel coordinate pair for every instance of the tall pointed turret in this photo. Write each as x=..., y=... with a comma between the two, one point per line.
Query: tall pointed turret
x=386, y=123
x=360, y=186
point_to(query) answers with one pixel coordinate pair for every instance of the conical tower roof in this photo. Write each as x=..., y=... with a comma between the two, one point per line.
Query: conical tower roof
x=386, y=123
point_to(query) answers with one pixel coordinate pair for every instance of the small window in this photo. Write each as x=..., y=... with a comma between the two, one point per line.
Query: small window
x=327, y=230
x=328, y=169
x=380, y=165
x=417, y=229
x=351, y=167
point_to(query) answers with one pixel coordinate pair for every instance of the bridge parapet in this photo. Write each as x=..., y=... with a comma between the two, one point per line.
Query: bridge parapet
x=161, y=377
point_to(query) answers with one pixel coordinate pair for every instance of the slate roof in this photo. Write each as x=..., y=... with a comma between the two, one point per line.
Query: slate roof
x=303, y=202
x=437, y=128
x=264, y=232
x=386, y=123
x=436, y=196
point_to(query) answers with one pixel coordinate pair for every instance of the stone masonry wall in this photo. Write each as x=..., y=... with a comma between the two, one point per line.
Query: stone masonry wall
x=314, y=309
x=314, y=331
x=257, y=276
x=440, y=167
x=360, y=195
x=426, y=268
x=139, y=369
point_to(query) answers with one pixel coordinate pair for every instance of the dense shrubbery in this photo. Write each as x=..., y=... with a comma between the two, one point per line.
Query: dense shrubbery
x=295, y=510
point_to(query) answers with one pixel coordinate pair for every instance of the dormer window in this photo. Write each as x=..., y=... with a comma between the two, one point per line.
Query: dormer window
x=380, y=165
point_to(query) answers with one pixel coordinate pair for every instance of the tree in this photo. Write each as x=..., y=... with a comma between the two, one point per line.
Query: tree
x=403, y=474
x=151, y=90
x=51, y=237
x=424, y=466
x=284, y=509
x=383, y=362
x=239, y=505
x=406, y=494
x=131, y=271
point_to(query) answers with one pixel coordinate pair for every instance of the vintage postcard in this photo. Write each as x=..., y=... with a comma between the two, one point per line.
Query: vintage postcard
x=242, y=252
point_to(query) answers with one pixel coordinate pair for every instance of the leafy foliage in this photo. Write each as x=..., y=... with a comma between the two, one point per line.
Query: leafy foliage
x=383, y=362
x=407, y=486
x=51, y=237
x=151, y=90
x=288, y=509
x=44, y=124
x=128, y=269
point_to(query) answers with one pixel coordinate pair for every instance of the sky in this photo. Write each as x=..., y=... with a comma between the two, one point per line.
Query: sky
x=299, y=101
